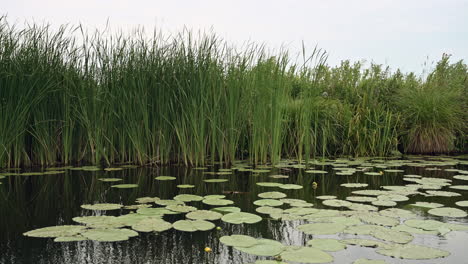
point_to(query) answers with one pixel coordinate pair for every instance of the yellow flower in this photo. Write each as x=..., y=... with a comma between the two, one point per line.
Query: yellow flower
x=207, y=249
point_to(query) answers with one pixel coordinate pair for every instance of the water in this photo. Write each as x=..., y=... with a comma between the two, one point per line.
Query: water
x=29, y=202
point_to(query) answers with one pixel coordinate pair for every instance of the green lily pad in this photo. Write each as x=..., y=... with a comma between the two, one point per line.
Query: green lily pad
x=181, y=208
x=272, y=195
x=218, y=202
x=152, y=225
x=74, y=238
x=376, y=219
x=365, y=242
x=168, y=202
x=307, y=255
x=102, y=206
x=125, y=186
x=316, y=171
x=354, y=185
x=268, y=202
x=396, y=212
x=361, y=229
x=461, y=177
x=155, y=211
x=188, y=198
x=165, y=178
x=101, y=221
x=386, y=203
x=459, y=187
x=264, y=247
x=393, y=197
x=144, y=200
x=215, y=180
x=336, y=203
x=370, y=192
x=411, y=251
x=291, y=186
x=238, y=241
x=414, y=230
x=301, y=211
x=462, y=203
x=361, y=199
x=279, y=176
x=193, y=225
x=326, y=197
x=56, y=231
x=443, y=193
x=185, y=186
x=326, y=244
x=204, y=215
x=394, y=236
x=109, y=235
x=214, y=196
x=321, y=228
x=269, y=210
x=427, y=205
x=269, y=184
x=226, y=209
x=241, y=218
x=132, y=219
x=109, y=179
x=447, y=211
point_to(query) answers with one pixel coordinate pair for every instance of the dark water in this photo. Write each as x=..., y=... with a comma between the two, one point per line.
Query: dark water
x=29, y=202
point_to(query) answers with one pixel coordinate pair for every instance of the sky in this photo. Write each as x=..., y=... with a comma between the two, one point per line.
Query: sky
x=406, y=34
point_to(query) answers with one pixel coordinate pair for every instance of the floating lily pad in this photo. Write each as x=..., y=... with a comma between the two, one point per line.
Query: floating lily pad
x=152, y=225
x=102, y=206
x=101, y=221
x=427, y=205
x=459, y=187
x=269, y=210
x=370, y=192
x=354, y=185
x=56, y=231
x=393, y=197
x=165, y=178
x=241, y=218
x=109, y=179
x=109, y=235
x=272, y=195
x=217, y=202
x=461, y=177
x=238, y=241
x=215, y=180
x=132, y=219
x=214, y=196
x=360, y=199
x=321, y=228
x=361, y=229
x=414, y=230
x=326, y=244
x=226, y=209
x=396, y=212
x=462, y=203
x=365, y=242
x=291, y=186
x=74, y=238
x=185, y=186
x=336, y=203
x=155, y=211
x=125, y=186
x=447, y=211
x=193, y=225
x=279, y=176
x=188, y=198
x=316, y=171
x=326, y=197
x=181, y=208
x=394, y=236
x=443, y=193
x=386, y=203
x=411, y=251
x=144, y=200
x=264, y=247
x=168, y=202
x=204, y=215
x=307, y=255
x=268, y=202
x=269, y=184
x=376, y=219
x=301, y=211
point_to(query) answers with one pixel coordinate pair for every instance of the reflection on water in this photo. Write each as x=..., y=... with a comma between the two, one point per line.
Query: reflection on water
x=29, y=202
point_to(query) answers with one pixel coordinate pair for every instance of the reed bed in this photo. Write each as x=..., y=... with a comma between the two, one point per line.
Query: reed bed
x=70, y=97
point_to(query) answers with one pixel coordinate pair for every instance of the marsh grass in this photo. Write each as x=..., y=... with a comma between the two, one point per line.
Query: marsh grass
x=67, y=96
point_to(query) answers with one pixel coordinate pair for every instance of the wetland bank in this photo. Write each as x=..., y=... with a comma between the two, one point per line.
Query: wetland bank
x=184, y=149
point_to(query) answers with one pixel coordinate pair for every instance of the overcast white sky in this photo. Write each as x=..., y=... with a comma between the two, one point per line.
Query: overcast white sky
x=400, y=33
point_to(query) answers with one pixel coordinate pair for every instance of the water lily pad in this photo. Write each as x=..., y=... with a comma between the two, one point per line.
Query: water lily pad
x=272, y=195
x=238, y=241
x=188, y=198
x=459, y=187
x=361, y=229
x=360, y=199
x=326, y=244
x=109, y=235
x=215, y=180
x=152, y=225
x=396, y=212
x=365, y=242
x=226, y=209
x=110, y=179
x=56, y=231
x=269, y=184
x=393, y=197
x=193, y=225
x=443, y=193
x=155, y=211
x=268, y=202
x=101, y=221
x=264, y=247
x=414, y=230
x=291, y=186
x=74, y=238
x=217, y=202
x=326, y=197
x=321, y=228
x=125, y=186
x=461, y=177
x=427, y=205
x=214, y=196
x=204, y=215
x=241, y=218
x=370, y=192
x=394, y=236
x=165, y=178
x=307, y=255
x=462, y=203
x=102, y=206
x=448, y=212
x=386, y=203
x=185, y=186
x=301, y=211
x=279, y=176
x=316, y=171
x=376, y=219
x=163, y=202
x=181, y=208
x=144, y=200
x=412, y=251
x=132, y=219
x=336, y=203
x=354, y=185
x=269, y=210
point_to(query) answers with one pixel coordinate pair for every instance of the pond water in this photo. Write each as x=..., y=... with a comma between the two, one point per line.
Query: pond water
x=29, y=202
